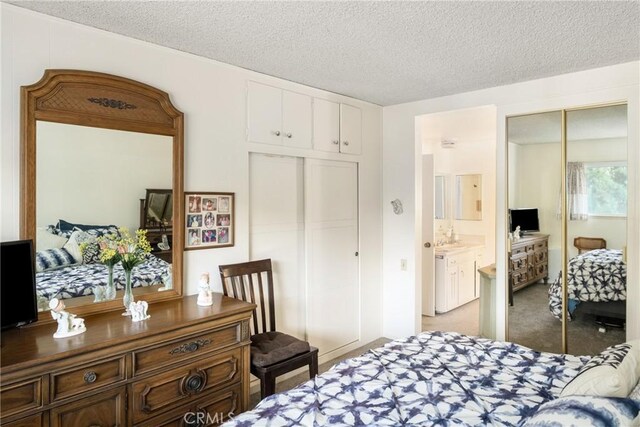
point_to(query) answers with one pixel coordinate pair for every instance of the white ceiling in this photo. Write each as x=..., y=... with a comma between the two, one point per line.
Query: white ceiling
x=383, y=52
x=582, y=125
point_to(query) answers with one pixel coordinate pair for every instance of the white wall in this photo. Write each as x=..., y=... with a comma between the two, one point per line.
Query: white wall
x=212, y=96
x=402, y=175
x=97, y=176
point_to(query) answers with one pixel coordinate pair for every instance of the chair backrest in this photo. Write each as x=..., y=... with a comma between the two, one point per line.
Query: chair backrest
x=585, y=244
x=252, y=282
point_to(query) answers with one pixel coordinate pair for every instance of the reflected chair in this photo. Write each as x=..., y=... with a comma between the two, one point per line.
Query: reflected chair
x=586, y=244
x=272, y=353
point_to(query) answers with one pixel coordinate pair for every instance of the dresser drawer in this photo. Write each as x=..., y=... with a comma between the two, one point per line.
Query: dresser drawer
x=105, y=409
x=21, y=396
x=185, y=348
x=211, y=410
x=518, y=263
x=160, y=392
x=541, y=245
x=87, y=377
x=32, y=421
x=540, y=257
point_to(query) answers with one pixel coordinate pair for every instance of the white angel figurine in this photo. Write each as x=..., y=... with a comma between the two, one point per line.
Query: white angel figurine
x=516, y=234
x=138, y=311
x=68, y=324
x=204, y=294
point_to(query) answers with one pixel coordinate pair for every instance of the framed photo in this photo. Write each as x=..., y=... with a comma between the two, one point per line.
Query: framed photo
x=209, y=220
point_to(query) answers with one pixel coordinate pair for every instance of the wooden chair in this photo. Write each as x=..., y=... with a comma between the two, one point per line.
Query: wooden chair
x=585, y=244
x=272, y=353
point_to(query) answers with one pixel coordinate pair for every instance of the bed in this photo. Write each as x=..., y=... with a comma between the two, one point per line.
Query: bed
x=435, y=378
x=598, y=276
x=81, y=279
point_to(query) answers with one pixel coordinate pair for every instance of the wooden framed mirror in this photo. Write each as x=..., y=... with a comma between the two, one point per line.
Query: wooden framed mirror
x=91, y=146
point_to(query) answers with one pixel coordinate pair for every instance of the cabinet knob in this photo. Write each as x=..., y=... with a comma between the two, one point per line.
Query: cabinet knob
x=345, y=142
x=90, y=377
x=288, y=135
x=194, y=383
x=276, y=132
x=336, y=142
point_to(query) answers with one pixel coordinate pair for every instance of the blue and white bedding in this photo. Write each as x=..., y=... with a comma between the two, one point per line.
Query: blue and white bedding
x=80, y=280
x=435, y=378
x=598, y=276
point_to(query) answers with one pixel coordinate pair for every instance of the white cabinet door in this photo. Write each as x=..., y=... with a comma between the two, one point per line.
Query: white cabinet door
x=326, y=125
x=479, y=265
x=350, y=129
x=466, y=277
x=296, y=119
x=264, y=119
x=452, y=288
x=331, y=218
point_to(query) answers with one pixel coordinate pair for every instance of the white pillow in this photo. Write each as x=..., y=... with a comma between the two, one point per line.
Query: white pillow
x=73, y=246
x=612, y=373
x=46, y=240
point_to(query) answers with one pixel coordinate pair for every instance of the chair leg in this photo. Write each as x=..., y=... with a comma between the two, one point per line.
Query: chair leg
x=267, y=386
x=313, y=366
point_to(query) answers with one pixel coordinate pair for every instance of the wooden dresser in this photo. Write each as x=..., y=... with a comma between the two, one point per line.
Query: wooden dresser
x=183, y=361
x=529, y=261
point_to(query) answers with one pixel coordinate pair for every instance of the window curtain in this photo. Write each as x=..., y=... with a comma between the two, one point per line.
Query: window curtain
x=577, y=198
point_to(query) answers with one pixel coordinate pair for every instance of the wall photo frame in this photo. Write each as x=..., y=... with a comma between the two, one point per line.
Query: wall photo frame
x=209, y=220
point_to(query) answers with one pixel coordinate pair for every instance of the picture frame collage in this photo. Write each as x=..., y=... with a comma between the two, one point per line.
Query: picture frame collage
x=209, y=220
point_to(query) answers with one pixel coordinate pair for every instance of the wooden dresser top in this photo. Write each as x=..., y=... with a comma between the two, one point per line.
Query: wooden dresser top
x=35, y=344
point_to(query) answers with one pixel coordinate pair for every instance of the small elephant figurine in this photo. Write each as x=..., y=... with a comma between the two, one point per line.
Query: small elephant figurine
x=138, y=311
x=68, y=324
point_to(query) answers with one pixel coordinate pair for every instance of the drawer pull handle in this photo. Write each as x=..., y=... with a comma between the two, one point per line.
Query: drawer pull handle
x=90, y=377
x=194, y=383
x=190, y=347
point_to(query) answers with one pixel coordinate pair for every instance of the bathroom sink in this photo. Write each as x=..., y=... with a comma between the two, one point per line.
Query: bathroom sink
x=450, y=246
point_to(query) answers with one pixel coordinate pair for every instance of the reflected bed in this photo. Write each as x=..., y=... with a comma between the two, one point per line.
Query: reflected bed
x=598, y=276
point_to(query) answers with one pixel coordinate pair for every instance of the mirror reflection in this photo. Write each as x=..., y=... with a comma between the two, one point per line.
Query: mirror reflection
x=158, y=209
x=89, y=182
x=468, y=197
x=596, y=195
x=440, y=205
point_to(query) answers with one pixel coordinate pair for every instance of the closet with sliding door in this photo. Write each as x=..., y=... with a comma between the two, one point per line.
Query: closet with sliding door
x=568, y=170
x=304, y=216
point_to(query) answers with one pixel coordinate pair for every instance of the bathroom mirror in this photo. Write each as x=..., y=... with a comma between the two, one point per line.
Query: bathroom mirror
x=468, y=197
x=92, y=144
x=440, y=205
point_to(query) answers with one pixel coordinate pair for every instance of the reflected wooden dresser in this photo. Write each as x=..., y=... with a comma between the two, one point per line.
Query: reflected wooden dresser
x=529, y=261
x=185, y=363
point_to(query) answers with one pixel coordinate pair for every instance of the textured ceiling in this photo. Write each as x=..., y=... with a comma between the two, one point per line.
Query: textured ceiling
x=382, y=52
x=582, y=125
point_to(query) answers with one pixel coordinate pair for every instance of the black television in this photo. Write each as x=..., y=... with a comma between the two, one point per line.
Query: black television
x=526, y=218
x=18, y=284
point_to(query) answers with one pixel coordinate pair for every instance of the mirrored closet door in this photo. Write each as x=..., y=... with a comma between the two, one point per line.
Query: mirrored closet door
x=567, y=198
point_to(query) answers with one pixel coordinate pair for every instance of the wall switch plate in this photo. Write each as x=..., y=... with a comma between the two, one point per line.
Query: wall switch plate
x=403, y=264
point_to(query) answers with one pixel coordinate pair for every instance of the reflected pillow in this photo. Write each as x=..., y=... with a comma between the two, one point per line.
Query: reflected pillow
x=66, y=226
x=47, y=240
x=586, y=411
x=635, y=393
x=612, y=373
x=50, y=259
x=86, y=245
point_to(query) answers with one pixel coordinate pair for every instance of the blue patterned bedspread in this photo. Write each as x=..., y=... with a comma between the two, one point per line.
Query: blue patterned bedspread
x=79, y=280
x=599, y=276
x=433, y=379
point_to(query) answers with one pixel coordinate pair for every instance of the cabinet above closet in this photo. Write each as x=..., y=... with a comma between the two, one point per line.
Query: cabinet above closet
x=337, y=128
x=281, y=117
x=278, y=116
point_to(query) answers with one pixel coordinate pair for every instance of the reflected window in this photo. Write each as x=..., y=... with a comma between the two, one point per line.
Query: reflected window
x=607, y=188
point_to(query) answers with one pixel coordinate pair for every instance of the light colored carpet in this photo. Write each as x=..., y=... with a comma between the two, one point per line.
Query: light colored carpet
x=532, y=324
x=464, y=320
x=292, y=382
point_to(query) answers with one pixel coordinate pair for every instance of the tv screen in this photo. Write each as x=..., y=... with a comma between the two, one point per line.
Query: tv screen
x=526, y=218
x=18, y=284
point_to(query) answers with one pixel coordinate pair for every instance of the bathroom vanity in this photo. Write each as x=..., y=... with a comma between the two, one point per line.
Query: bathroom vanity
x=457, y=280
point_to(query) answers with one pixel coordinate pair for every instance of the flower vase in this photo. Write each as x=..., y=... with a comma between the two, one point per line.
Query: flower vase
x=127, y=299
x=111, y=287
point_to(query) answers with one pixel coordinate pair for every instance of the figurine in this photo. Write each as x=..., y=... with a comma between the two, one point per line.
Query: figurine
x=516, y=234
x=99, y=293
x=167, y=280
x=204, y=296
x=138, y=310
x=68, y=324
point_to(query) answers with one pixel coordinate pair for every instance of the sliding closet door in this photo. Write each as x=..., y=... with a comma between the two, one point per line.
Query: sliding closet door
x=534, y=260
x=331, y=220
x=276, y=231
x=596, y=196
